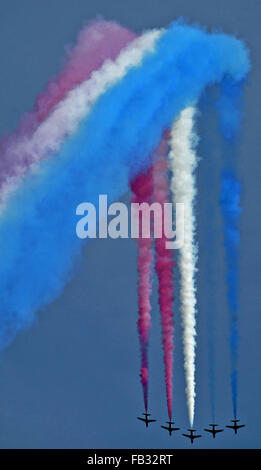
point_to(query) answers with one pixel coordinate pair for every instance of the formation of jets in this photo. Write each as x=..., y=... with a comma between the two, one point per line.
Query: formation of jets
x=213, y=427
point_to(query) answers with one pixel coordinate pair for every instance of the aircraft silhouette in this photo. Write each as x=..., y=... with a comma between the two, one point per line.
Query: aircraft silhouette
x=169, y=427
x=214, y=431
x=146, y=420
x=192, y=436
x=235, y=426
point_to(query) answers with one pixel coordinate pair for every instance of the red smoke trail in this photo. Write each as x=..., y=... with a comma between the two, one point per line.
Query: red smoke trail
x=142, y=188
x=97, y=41
x=164, y=268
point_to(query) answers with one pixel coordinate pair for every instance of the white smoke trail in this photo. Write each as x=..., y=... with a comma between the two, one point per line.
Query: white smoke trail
x=70, y=112
x=67, y=114
x=183, y=162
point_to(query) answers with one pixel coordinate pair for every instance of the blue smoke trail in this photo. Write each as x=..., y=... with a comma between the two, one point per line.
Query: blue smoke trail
x=208, y=238
x=229, y=200
x=211, y=305
x=38, y=242
x=230, y=105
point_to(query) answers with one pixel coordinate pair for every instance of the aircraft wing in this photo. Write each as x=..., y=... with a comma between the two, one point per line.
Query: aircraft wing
x=165, y=427
x=198, y=435
x=219, y=430
x=187, y=435
x=231, y=427
x=208, y=430
x=142, y=419
x=152, y=420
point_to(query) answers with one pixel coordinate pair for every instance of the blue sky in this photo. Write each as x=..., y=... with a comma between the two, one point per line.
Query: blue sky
x=72, y=380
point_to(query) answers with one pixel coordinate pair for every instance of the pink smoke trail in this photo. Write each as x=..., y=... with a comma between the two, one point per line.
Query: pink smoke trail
x=96, y=42
x=142, y=187
x=164, y=268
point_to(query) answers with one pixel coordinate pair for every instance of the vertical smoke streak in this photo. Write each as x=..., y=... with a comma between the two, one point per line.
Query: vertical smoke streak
x=183, y=161
x=208, y=238
x=142, y=188
x=229, y=105
x=229, y=200
x=164, y=268
x=211, y=301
